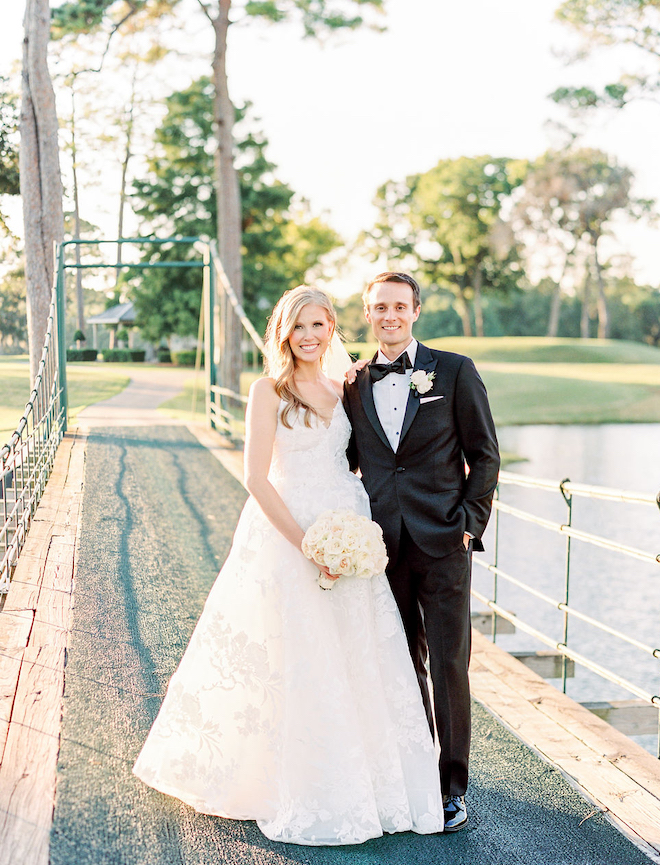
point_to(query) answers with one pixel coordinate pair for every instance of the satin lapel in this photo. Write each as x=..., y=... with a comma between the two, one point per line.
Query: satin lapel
x=367, y=397
x=423, y=360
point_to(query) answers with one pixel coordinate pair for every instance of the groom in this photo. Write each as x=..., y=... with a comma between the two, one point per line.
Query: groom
x=420, y=418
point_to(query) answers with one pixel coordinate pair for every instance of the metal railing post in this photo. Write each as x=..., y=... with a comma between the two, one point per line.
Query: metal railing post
x=495, y=562
x=207, y=315
x=60, y=328
x=568, y=498
x=212, y=365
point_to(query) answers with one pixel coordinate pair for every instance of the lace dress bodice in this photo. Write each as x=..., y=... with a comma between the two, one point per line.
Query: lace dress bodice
x=309, y=468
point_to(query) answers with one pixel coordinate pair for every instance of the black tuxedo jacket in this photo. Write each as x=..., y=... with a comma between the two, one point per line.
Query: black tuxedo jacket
x=425, y=483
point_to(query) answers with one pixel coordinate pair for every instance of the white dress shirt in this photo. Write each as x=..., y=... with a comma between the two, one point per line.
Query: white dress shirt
x=391, y=396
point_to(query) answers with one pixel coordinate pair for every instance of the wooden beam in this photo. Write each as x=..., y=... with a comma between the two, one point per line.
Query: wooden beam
x=483, y=623
x=34, y=628
x=610, y=770
x=547, y=664
x=632, y=717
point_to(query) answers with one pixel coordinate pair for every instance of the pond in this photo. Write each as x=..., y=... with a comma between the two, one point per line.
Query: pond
x=609, y=586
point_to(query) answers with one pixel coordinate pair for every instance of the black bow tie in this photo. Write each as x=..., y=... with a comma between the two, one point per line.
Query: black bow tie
x=380, y=370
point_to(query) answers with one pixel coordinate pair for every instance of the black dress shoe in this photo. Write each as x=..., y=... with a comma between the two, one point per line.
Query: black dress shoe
x=455, y=812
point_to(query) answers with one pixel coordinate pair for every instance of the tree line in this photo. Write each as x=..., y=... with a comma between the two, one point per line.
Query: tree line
x=501, y=245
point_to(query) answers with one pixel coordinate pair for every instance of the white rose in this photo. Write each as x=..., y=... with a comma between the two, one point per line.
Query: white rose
x=422, y=381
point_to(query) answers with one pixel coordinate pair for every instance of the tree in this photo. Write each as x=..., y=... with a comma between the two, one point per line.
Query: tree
x=316, y=18
x=9, y=119
x=80, y=306
x=446, y=225
x=601, y=189
x=545, y=217
x=178, y=196
x=13, y=324
x=41, y=186
x=566, y=204
x=609, y=23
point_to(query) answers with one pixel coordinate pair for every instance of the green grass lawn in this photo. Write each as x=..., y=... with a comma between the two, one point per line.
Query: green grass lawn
x=191, y=397
x=542, y=392
x=537, y=380
x=87, y=383
x=190, y=404
x=528, y=393
x=530, y=380
x=535, y=349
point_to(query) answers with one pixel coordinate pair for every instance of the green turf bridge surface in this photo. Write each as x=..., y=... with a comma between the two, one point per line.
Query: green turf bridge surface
x=158, y=516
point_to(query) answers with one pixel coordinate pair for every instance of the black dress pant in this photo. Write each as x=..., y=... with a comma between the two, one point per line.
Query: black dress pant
x=433, y=595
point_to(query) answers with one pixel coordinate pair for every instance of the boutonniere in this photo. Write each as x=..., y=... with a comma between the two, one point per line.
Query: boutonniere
x=421, y=381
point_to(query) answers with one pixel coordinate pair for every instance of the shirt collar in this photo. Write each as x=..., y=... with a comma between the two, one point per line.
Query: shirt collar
x=411, y=349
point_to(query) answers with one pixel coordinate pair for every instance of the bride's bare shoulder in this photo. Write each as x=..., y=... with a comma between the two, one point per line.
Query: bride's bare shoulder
x=262, y=392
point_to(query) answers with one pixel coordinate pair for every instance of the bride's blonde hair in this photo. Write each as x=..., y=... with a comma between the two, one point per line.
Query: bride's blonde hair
x=280, y=362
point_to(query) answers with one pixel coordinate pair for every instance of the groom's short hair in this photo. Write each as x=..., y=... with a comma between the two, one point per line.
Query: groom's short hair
x=391, y=276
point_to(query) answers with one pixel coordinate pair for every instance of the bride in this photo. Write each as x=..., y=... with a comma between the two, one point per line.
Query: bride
x=292, y=706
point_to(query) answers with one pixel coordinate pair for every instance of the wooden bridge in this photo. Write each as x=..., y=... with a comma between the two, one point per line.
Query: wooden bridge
x=135, y=521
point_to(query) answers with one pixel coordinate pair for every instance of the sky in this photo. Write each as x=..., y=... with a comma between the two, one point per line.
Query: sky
x=446, y=79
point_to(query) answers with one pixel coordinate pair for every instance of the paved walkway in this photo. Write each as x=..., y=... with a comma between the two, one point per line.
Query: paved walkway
x=158, y=512
x=136, y=405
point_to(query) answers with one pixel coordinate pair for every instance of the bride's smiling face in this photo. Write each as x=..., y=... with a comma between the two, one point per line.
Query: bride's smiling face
x=311, y=334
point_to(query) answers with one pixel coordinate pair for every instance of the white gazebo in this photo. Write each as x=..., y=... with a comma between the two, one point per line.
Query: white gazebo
x=122, y=315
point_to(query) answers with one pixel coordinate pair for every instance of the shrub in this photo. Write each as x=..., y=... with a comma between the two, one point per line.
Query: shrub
x=79, y=336
x=116, y=355
x=186, y=358
x=137, y=355
x=78, y=354
x=163, y=355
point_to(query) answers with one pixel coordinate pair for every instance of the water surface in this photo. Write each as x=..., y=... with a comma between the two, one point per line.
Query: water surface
x=618, y=590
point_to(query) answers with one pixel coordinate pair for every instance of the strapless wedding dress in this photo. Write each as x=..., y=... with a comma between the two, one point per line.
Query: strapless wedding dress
x=292, y=706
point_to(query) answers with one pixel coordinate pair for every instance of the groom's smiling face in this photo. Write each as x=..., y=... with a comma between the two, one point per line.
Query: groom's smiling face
x=391, y=312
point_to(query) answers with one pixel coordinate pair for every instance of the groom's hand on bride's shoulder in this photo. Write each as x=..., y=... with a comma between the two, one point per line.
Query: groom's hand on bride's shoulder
x=352, y=371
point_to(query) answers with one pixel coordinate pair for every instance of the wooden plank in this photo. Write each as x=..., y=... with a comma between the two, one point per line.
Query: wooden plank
x=41, y=595
x=633, y=809
x=14, y=633
x=46, y=511
x=24, y=587
x=598, y=735
x=27, y=773
x=536, y=717
x=546, y=664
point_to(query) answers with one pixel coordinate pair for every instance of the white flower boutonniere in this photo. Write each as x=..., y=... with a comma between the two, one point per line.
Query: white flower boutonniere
x=421, y=381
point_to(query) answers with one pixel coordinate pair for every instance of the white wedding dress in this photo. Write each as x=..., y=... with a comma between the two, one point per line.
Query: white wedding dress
x=294, y=706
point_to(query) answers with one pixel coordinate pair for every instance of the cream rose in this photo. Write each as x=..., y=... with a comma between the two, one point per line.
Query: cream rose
x=348, y=544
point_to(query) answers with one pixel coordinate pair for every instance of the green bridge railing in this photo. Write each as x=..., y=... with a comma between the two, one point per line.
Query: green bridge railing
x=224, y=407
x=221, y=315
x=568, y=491
x=27, y=458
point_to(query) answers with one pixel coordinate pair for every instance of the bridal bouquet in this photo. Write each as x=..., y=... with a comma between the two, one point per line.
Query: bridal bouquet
x=346, y=544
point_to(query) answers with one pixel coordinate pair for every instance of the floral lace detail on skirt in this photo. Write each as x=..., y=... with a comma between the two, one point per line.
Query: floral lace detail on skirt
x=291, y=706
